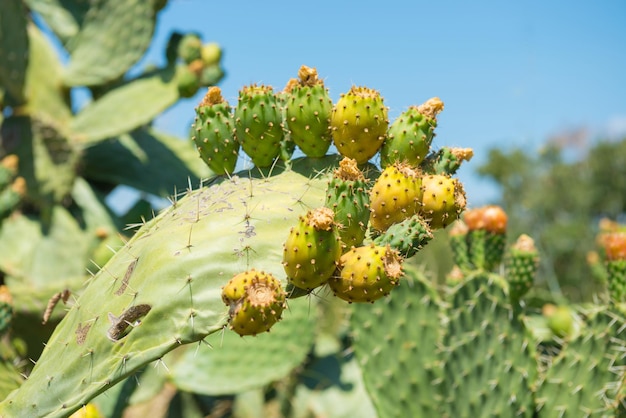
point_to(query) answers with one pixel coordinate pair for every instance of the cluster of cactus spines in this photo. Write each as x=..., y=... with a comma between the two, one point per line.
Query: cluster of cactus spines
x=214, y=133
x=410, y=135
x=312, y=249
x=443, y=200
x=259, y=124
x=520, y=265
x=367, y=273
x=348, y=196
x=395, y=196
x=308, y=112
x=359, y=123
x=255, y=301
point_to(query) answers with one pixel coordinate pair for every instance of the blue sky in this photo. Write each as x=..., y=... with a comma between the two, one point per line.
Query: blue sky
x=510, y=73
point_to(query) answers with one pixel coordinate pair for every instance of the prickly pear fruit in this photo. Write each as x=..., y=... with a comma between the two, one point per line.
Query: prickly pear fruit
x=406, y=237
x=486, y=236
x=520, y=264
x=190, y=47
x=312, y=249
x=6, y=309
x=11, y=196
x=367, y=273
x=359, y=123
x=187, y=80
x=88, y=411
x=259, y=124
x=211, y=54
x=560, y=320
x=410, y=135
x=395, y=196
x=256, y=301
x=443, y=201
x=347, y=195
x=614, y=245
x=446, y=160
x=214, y=133
x=309, y=108
x=458, y=243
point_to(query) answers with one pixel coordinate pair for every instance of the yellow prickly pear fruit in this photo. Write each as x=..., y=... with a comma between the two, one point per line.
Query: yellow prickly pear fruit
x=256, y=301
x=367, y=273
x=88, y=411
x=359, y=123
x=443, y=200
x=395, y=196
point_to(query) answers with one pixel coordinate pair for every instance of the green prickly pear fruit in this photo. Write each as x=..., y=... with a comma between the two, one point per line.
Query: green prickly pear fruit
x=187, y=80
x=367, y=273
x=258, y=124
x=190, y=48
x=486, y=236
x=211, y=54
x=406, y=237
x=395, y=196
x=214, y=133
x=446, y=160
x=256, y=301
x=347, y=195
x=410, y=135
x=308, y=112
x=458, y=243
x=443, y=200
x=359, y=123
x=6, y=309
x=520, y=265
x=560, y=320
x=312, y=249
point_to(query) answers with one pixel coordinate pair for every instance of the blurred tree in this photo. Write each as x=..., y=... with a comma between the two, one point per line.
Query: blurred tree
x=558, y=200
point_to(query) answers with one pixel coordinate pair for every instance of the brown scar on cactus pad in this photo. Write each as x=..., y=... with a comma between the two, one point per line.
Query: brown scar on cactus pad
x=255, y=300
x=130, y=317
x=63, y=295
x=81, y=333
x=126, y=279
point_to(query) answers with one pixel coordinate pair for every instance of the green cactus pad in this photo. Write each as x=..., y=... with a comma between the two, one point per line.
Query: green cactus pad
x=126, y=108
x=259, y=124
x=348, y=196
x=308, y=112
x=406, y=237
x=312, y=249
x=214, y=133
x=163, y=288
x=232, y=364
x=586, y=378
x=396, y=344
x=490, y=366
x=367, y=273
x=114, y=36
x=410, y=135
x=359, y=123
x=395, y=196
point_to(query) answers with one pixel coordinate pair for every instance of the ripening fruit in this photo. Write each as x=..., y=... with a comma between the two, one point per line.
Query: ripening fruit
x=443, y=200
x=256, y=301
x=367, y=273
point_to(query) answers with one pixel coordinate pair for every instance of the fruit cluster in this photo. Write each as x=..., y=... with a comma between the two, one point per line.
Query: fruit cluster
x=373, y=217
